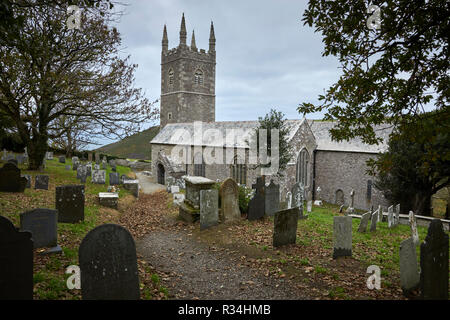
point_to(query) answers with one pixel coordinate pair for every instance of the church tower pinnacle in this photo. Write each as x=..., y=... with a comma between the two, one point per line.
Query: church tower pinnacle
x=165, y=41
x=193, y=45
x=212, y=39
x=183, y=33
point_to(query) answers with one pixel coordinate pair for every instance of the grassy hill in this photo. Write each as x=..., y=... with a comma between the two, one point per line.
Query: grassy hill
x=136, y=146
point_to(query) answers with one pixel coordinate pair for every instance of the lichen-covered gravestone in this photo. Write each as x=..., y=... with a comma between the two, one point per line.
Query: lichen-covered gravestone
x=413, y=226
x=133, y=186
x=229, y=197
x=434, y=263
x=285, y=227
x=209, y=208
x=257, y=205
x=16, y=262
x=272, y=198
x=81, y=172
x=114, y=178
x=390, y=217
x=364, y=222
x=373, y=221
x=409, y=273
x=70, y=203
x=342, y=234
x=108, y=264
x=99, y=176
x=41, y=182
x=11, y=180
x=42, y=223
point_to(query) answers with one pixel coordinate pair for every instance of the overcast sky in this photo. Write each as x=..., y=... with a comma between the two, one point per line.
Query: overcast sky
x=265, y=57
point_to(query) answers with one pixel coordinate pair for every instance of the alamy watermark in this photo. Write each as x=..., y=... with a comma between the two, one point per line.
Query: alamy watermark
x=374, y=21
x=374, y=281
x=74, y=20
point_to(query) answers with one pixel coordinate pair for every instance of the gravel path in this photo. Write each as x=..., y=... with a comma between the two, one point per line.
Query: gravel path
x=147, y=186
x=197, y=271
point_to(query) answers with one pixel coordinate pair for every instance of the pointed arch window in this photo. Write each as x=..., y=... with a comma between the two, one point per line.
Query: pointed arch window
x=199, y=165
x=198, y=77
x=303, y=167
x=171, y=77
x=239, y=171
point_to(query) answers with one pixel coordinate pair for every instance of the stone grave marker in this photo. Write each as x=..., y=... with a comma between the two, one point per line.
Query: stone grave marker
x=41, y=182
x=89, y=169
x=49, y=155
x=298, y=194
x=309, y=206
x=28, y=177
x=229, y=196
x=390, y=217
x=75, y=159
x=99, y=176
x=285, y=227
x=434, y=263
x=114, y=178
x=397, y=214
x=413, y=226
x=380, y=214
x=272, y=198
x=20, y=158
x=373, y=221
x=16, y=262
x=174, y=189
x=409, y=273
x=364, y=222
x=70, y=203
x=342, y=234
x=256, y=206
x=75, y=165
x=42, y=223
x=318, y=202
x=10, y=179
x=108, y=264
x=289, y=199
x=109, y=199
x=81, y=172
x=62, y=159
x=133, y=186
x=209, y=208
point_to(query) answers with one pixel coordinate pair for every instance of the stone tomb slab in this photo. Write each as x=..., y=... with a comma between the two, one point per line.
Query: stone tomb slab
x=70, y=203
x=342, y=236
x=285, y=227
x=108, y=264
x=209, y=208
x=193, y=186
x=16, y=262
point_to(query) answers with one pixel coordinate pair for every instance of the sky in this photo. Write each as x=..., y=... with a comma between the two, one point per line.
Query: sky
x=266, y=58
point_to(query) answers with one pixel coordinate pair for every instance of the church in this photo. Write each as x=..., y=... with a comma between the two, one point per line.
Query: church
x=187, y=109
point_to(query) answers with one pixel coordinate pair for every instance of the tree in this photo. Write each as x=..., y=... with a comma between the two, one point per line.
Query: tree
x=48, y=71
x=416, y=164
x=387, y=73
x=275, y=120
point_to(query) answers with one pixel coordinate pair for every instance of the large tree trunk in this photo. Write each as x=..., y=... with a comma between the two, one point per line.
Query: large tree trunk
x=422, y=203
x=36, y=151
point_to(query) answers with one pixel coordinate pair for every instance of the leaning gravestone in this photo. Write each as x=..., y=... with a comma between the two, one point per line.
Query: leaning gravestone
x=256, y=206
x=62, y=159
x=42, y=223
x=364, y=221
x=272, y=198
x=99, y=176
x=108, y=264
x=11, y=180
x=390, y=217
x=114, y=178
x=434, y=263
x=16, y=262
x=409, y=273
x=70, y=203
x=373, y=221
x=229, y=195
x=285, y=227
x=414, y=231
x=342, y=234
x=209, y=208
x=41, y=182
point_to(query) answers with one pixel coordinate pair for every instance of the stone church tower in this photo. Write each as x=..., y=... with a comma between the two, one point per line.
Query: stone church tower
x=188, y=79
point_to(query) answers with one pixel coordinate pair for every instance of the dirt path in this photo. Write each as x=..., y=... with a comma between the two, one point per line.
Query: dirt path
x=197, y=271
x=147, y=186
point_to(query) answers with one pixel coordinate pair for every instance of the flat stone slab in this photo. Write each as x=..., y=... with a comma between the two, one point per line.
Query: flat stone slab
x=109, y=199
x=198, y=180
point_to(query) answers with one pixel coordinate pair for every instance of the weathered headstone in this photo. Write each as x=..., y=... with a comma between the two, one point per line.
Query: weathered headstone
x=75, y=165
x=434, y=263
x=108, y=264
x=99, y=176
x=364, y=222
x=409, y=273
x=114, y=178
x=81, y=172
x=89, y=169
x=256, y=206
x=390, y=217
x=10, y=179
x=16, y=262
x=62, y=159
x=272, y=198
x=133, y=186
x=380, y=214
x=20, y=158
x=397, y=214
x=178, y=198
x=49, y=155
x=285, y=227
x=70, y=203
x=104, y=166
x=28, y=177
x=41, y=182
x=342, y=234
x=373, y=221
x=289, y=199
x=229, y=195
x=75, y=159
x=298, y=194
x=109, y=199
x=209, y=208
x=113, y=168
x=309, y=206
x=413, y=226
x=42, y=223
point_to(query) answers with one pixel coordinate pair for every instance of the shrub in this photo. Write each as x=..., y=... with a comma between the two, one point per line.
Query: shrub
x=245, y=194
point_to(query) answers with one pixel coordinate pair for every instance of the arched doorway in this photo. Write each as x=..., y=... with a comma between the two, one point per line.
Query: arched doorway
x=161, y=174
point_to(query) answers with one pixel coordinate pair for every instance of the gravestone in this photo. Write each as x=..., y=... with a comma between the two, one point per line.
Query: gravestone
x=229, y=197
x=174, y=189
x=68, y=167
x=256, y=206
x=10, y=179
x=364, y=222
x=289, y=199
x=409, y=273
x=272, y=198
x=16, y=262
x=109, y=199
x=75, y=165
x=14, y=161
x=390, y=217
x=318, y=202
x=99, y=176
x=83, y=179
x=41, y=182
x=133, y=186
x=28, y=177
x=96, y=167
x=124, y=177
x=351, y=209
x=434, y=263
x=413, y=226
x=114, y=178
x=62, y=159
x=113, y=168
x=178, y=198
x=81, y=172
x=49, y=155
x=298, y=194
x=285, y=227
x=397, y=214
x=373, y=221
x=89, y=169
x=75, y=159
x=380, y=214
x=342, y=234
x=309, y=206
x=108, y=264
x=42, y=223
x=70, y=203
x=209, y=208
